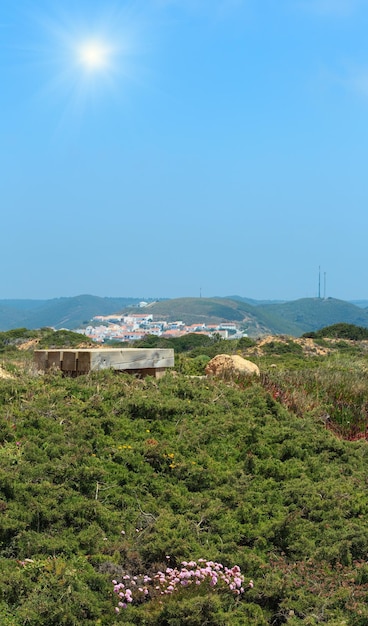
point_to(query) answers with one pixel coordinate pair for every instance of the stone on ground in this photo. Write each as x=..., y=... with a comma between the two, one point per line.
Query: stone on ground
x=224, y=365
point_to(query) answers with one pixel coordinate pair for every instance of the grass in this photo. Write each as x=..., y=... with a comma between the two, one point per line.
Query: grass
x=335, y=391
x=254, y=472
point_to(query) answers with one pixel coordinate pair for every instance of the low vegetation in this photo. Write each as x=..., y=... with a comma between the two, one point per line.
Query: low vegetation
x=340, y=331
x=107, y=477
x=46, y=338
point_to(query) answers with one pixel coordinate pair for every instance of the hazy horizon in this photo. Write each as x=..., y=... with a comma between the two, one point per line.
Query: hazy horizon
x=163, y=297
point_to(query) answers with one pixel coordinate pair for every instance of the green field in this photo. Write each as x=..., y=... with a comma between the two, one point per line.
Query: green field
x=106, y=476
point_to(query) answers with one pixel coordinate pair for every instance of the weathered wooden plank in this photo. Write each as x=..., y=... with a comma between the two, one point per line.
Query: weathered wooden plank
x=40, y=358
x=83, y=361
x=69, y=362
x=156, y=372
x=146, y=361
x=131, y=358
x=54, y=358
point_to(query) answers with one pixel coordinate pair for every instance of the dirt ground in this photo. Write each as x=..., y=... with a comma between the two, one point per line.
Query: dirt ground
x=29, y=345
x=310, y=348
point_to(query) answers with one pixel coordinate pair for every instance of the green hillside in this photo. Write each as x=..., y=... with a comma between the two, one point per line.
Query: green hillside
x=10, y=317
x=105, y=477
x=59, y=313
x=200, y=310
x=292, y=318
x=310, y=314
x=254, y=320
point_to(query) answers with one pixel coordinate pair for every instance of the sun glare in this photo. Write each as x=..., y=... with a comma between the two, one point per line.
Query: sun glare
x=94, y=55
x=87, y=58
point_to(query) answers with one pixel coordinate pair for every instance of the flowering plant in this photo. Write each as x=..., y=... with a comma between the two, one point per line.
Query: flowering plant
x=192, y=573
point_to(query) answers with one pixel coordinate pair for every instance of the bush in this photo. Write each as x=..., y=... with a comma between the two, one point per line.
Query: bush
x=340, y=331
x=105, y=475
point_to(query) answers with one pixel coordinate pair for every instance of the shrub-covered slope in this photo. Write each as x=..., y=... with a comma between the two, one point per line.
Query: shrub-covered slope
x=59, y=312
x=308, y=314
x=186, y=468
x=340, y=331
x=256, y=318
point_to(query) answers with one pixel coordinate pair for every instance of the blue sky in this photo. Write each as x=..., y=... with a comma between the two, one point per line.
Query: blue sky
x=221, y=145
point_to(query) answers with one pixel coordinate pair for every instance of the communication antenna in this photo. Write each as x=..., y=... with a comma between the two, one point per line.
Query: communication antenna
x=324, y=286
x=200, y=292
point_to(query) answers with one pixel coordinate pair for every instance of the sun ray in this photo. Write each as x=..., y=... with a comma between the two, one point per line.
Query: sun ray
x=85, y=59
x=94, y=55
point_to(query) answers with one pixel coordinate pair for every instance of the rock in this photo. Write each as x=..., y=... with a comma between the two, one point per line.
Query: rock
x=5, y=374
x=225, y=365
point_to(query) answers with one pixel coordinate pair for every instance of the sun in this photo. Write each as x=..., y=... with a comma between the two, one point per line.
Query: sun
x=88, y=58
x=94, y=55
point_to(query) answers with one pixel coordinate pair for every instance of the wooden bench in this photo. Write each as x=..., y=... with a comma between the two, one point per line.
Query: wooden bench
x=140, y=361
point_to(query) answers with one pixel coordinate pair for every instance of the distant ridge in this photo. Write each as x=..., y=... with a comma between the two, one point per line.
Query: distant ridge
x=363, y=304
x=291, y=318
x=255, y=302
x=254, y=317
x=315, y=313
x=58, y=312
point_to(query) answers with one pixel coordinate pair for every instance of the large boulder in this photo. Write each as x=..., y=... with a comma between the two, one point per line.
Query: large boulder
x=225, y=365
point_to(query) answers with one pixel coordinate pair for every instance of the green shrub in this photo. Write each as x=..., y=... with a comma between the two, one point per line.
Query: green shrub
x=340, y=331
x=185, y=467
x=62, y=339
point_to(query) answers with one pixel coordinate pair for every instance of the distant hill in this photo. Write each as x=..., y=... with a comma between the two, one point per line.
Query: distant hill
x=289, y=318
x=216, y=310
x=363, y=304
x=59, y=312
x=10, y=316
x=310, y=314
x=255, y=302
